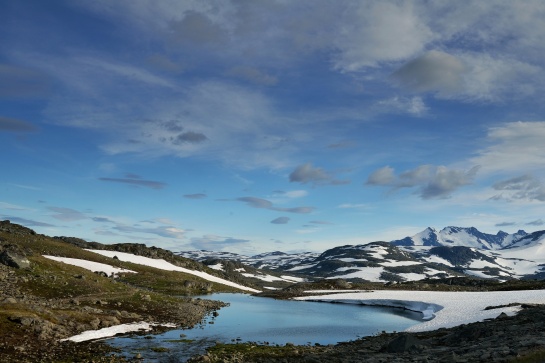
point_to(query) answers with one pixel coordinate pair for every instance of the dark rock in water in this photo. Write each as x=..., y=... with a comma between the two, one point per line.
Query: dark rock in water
x=14, y=260
x=402, y=343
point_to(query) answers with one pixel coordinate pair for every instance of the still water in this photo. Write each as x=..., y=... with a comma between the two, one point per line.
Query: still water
x=265, y=320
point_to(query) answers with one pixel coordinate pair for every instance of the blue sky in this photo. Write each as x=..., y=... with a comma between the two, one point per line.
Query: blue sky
x=252, y=126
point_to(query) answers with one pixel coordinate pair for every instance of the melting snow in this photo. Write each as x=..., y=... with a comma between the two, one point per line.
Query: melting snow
x=443, y=309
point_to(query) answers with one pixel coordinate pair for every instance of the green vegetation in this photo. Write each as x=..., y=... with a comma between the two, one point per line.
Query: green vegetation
x=49, y=300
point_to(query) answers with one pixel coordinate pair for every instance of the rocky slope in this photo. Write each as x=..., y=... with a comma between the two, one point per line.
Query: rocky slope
x=43, y=301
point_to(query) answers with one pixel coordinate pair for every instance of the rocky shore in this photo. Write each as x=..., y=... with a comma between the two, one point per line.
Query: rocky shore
x=518, y=338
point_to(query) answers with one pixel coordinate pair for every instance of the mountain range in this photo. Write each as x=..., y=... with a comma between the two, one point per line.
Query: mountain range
x=449, y=252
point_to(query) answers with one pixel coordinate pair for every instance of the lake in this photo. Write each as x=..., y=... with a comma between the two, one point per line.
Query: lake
x=257, y=319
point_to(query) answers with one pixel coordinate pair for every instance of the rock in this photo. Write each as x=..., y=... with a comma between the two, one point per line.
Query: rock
x=13, y=259
x=402, y=343
x=95, y=323
x=23, y=320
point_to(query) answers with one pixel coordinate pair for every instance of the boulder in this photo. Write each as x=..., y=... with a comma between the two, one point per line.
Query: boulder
x=13, y=259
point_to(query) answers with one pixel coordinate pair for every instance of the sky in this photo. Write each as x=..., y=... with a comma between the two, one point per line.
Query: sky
x=255, y=126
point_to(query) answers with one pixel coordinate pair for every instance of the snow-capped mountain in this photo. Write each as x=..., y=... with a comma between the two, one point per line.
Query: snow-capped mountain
x=269, y=260
x=460, y=236
x=452, y=251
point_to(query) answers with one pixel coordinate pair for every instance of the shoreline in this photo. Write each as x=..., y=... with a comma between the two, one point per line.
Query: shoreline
x=501, y=338
x=444, y=309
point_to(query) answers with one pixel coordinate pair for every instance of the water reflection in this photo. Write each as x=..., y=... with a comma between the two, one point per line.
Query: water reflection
x=270, y=321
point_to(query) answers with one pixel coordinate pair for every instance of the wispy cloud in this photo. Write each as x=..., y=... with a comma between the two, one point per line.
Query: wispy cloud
x=9, y=124
x=161, y=231
x=27, y=222
x=265, y=204
x=280, y=220
x=321, y=222
x=307, y=173
x=136, y=180
x=67, y=214
x=505, y=224
x=22, y=82
x=525, y=187
x=216, y=243
x=195, y=196
x=4, y=205
x=353, y=206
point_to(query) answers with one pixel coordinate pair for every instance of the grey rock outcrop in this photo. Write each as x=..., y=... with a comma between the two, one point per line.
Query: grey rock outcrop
x=14, y=259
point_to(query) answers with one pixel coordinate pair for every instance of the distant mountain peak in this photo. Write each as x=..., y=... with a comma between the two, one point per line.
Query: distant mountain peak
x=461, y=236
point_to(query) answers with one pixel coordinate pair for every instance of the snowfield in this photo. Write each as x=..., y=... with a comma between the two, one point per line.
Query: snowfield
x=440, y=309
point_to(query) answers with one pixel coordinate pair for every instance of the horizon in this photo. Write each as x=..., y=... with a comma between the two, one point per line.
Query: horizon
x=255, y=127
x=293, y=251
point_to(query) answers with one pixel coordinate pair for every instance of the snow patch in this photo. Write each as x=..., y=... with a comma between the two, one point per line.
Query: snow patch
x=114, y=330
x=90, y=265
x=164, y=265
x=218, y=267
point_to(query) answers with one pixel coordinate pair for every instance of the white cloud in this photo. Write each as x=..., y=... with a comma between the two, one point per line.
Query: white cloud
x=497, y=78
x=375, y=32
x=515, y=147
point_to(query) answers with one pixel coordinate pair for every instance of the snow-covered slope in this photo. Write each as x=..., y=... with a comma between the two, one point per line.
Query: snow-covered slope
x=164, y=265
x=461, y=236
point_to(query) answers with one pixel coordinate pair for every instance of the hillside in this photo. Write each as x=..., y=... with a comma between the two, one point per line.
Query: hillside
x=44, y=300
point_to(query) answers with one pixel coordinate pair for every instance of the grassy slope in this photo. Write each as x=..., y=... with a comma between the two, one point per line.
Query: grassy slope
x=53, y=300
